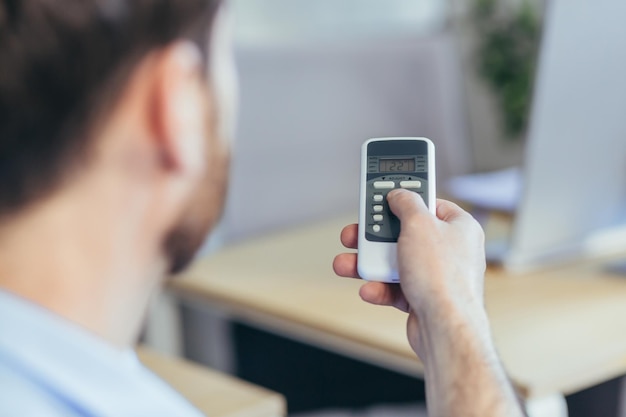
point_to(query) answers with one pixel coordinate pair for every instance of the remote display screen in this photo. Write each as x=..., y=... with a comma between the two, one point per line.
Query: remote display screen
x=396, y=165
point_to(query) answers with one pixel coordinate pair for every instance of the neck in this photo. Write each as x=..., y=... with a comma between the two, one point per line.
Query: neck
x=67, y=258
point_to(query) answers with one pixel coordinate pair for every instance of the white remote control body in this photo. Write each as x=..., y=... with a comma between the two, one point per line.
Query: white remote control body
x=386, y=164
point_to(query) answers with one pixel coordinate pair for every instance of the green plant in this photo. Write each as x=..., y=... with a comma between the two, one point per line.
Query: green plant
x=507, y=56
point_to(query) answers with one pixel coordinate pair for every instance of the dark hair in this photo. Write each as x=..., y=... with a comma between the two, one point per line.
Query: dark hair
x=62, y=65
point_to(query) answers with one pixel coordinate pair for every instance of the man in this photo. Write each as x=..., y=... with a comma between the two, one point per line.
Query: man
x=114, y=125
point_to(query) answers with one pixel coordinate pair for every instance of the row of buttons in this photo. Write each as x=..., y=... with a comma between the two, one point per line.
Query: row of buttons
x=377, y=209
x=388, y=185
x=378, y=198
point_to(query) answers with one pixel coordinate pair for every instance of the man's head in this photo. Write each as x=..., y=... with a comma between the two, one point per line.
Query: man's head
x=120, y=102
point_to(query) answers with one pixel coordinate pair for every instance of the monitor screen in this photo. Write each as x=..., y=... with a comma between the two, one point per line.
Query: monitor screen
x=574, y=198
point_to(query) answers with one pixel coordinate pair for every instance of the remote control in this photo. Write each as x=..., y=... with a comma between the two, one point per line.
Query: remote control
x=387, y=164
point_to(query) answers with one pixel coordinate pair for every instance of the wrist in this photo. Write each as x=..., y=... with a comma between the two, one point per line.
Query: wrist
x=454, y=344
x=451, y=326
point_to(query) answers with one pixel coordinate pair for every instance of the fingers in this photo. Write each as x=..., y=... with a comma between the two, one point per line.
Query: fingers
x=344, y=265
x=380, y=293
x=350, y=236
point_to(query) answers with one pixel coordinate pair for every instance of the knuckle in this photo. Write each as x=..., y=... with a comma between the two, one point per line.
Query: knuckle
x=405, y=198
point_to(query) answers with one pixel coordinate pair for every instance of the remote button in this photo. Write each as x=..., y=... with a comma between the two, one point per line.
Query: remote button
x=378, y=217
x=384, y=185
x=378, y=198
x=377, y=208
x=411, y=184
x=376, y=228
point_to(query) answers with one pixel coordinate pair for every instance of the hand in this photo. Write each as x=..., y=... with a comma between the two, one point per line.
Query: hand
x=441, y=263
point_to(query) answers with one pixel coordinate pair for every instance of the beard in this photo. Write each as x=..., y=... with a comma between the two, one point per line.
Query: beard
x=203, y=211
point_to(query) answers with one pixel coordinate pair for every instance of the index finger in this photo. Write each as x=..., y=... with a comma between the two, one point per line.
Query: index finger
x=450, y=212
x=350, y=236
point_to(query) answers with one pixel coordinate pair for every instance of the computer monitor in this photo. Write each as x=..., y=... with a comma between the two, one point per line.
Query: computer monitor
x=574, y=199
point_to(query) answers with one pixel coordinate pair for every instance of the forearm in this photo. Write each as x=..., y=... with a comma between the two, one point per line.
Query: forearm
x=464, y=376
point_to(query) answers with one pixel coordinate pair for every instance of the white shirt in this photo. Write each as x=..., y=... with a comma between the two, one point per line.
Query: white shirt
x=51, y=367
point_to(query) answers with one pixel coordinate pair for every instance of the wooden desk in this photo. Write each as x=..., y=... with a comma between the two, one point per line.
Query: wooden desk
x=558, y=331
x=213, y=393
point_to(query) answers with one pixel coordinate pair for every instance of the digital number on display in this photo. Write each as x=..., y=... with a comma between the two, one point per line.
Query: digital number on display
x=396, y=165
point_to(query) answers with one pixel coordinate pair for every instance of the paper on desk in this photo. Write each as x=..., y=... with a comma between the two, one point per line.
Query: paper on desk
x=497, y=190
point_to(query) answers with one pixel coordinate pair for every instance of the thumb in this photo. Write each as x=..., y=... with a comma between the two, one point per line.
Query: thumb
x=406, y=204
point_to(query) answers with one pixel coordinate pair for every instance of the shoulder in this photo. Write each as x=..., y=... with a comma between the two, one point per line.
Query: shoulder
x=27, y=392
x=23, y=396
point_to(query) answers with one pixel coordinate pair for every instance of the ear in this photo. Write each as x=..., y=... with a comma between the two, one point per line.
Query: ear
x=179, y=108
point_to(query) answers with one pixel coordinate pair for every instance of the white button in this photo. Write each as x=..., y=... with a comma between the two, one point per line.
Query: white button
x=378, y=198
x=382, y=185
x=411, y=184
x=376, y=228
x=378, y=209
x=378, y=217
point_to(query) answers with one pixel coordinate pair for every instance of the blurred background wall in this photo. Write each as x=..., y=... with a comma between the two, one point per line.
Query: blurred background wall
x=317, y=79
